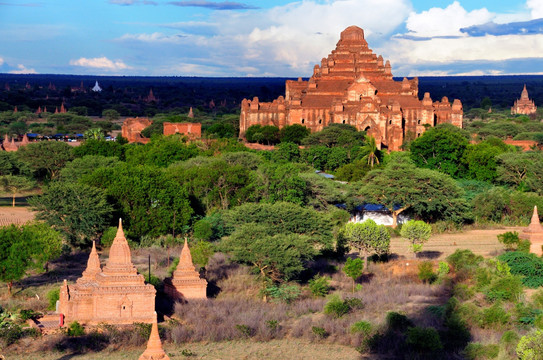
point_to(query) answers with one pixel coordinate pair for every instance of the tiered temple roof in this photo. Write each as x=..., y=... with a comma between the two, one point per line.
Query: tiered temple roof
x=524, y=105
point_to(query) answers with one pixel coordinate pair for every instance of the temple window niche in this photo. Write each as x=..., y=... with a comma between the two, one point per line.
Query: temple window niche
x=303, y=121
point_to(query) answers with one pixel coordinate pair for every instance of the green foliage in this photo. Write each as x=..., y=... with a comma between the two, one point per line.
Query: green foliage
x=161, y=151
x=319, y=286
x=202, y=229
x=443, y=269
x=201, y=252
x=336, y=135
x=494, y=317
x=319, y=332
x=10, y=332
x=522, y=169
x=367, y=238
x=464, y=261
x=245, y=330
x=423, y=339
x=92, y=147
x=14, y=184
x=363, y=327
x=417, y=233
x=75, y=329
x=498, y=204
x=107, y=236
x=353, y=268
x=480, y=160
x=52, y=297
x=463, y=291
x=286, y=152
x=398, y=322
x=281, y=182
x=149, y=201
x=272, y=324
x=294, y=133
x=277, y=257
x=477, y=351
x=27, y=247
x=336, y=307
x=429, y=194
x=11, y=164
x=426, y=272
x=510, y=240
x=84, y=166
x=354, y=171
x=268, y=134
x=284, y=292
x=527, y=265
x=495, y=280
x=530, y=346
x=221, y=130
x=80, y=211
x=26, y=314
x=111, y=114
x=440, y=147
x=58, y=155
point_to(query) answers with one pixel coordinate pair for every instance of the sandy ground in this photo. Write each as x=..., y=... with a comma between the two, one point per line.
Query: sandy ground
x=481, y=242
x=15, y=215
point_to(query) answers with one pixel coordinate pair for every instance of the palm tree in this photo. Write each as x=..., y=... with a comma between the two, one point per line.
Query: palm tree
x=95, y=133
x=371, y=148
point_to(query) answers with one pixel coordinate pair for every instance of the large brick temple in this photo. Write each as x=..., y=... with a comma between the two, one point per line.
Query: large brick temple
x=116, y=294
x=354, y=86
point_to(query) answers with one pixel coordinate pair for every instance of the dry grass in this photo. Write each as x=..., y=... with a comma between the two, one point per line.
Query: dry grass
x=15, y=215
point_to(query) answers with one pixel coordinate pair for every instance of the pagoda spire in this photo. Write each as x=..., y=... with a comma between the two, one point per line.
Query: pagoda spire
x=154, y=349
x=93, y=264
x=185, y=261
x=120, y=259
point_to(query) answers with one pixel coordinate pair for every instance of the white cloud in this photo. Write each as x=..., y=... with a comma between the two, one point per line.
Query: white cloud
x=536, y=8
x=1, y=61
x=154, y=37
x=100, y=63
x=21, y=69
x=445, y=22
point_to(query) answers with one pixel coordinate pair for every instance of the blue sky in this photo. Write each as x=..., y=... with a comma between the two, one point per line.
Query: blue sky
x=266, y=38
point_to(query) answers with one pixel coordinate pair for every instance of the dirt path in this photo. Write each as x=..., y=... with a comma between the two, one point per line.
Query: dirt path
x=481, y=242
x=15, y=215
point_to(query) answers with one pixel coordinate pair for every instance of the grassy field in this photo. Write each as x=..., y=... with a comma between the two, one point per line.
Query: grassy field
x=15, y=215
x=235, y=350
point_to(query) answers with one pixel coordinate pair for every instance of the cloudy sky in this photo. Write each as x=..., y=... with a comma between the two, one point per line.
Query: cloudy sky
x=266, y=38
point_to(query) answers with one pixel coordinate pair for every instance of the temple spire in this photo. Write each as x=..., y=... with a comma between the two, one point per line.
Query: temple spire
x=93, y=265
x=120, y=259
x=154, y=349
x=185, y=260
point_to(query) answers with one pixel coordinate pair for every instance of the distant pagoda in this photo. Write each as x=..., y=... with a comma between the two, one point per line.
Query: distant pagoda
x=524, y=106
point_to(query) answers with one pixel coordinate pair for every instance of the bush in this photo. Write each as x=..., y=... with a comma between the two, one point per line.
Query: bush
x=426, y=272
x=319, y=332
x=463, y=291
x=423, y=339
x=284, y=292
x=528, y=265
x=29, y=314
x=75, y=329
x=319, y=286
x=510, y=240
x=530, y=347
x=398, y=322
x=476, y=351
x=507, y=288
x=52, y=298
x=464, y=261
x=494, y=317
x=107, y=237
x=10, y=332
x=336, y=307
x=363, y=327
x=245, y=330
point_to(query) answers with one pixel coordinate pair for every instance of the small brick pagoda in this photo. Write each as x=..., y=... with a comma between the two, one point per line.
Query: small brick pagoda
x=116, y=294
x=354, y=86
x=534, y=233
x=524, y=106
x=154, y=349
x=185, y=283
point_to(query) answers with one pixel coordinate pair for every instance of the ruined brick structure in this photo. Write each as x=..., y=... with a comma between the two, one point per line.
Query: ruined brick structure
x=116, y=294
x=132, y=128
x=534, y=233
x=524, y=106
x=154, y=350
x=354, y=86
x=185, y=283
x=192, y=130
x=9, y=145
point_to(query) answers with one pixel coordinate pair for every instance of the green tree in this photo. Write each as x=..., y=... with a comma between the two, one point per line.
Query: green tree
x=294, y=133
x=46, y=157
x=79, y=211
x=530, y=346
x=28, y=247
x=429, y=194
x=150, y=202
x=111, y=114
x=417, y=233
x=278, y=257
x=161, y=151
x=336, y=135
x=522, y=169
x=100, y=148
x=94, y=133
x=10, y=164
x=367, y=238
x=440, y=148
x=370, y=148
x=353, y=268
x=286, y=152
x=84, y=166
x=14, y=184
x=281, y=182
x=480, y=161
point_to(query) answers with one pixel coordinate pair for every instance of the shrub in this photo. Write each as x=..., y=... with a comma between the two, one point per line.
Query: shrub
x=272, y=324
x=29, y=314
x=463, y=291
x=464, y=261
x=336, y=307
x=10, y=332
x=363, y=327
x=537, y=298
x=354, y=303
x=494, y=317
x=475, y=351
x=423, y=339
x=245, y=330
x=107, y=237
x=284, y=292
x=319, y=332
x=510, y=240
x=528, y=265
x=143, y=329
x=506, y=288
x=538, y=321
x=75, y=329
x=319, y=286
x=52, y=298
x=426, y=272
x=398, y=322
x=525, y=314
x=443, y=268
x=530, y=347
